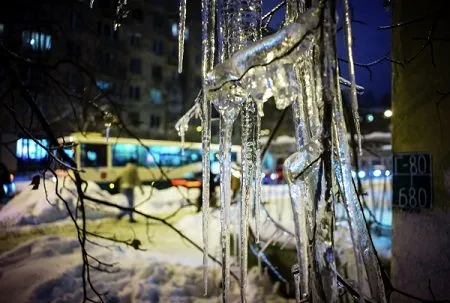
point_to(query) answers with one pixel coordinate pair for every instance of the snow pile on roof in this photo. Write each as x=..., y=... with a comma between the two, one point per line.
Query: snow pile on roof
x=46, y=205
x=49, y=269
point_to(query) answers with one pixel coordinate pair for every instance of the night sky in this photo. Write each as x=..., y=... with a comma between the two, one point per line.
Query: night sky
x=369, y=44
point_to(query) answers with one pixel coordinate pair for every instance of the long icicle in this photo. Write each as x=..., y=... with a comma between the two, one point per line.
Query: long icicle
x=351, y=71
x=208, y=37
x=247, y=186
x=364, y=250
x=226, y=128
x=246, y=29
x=257, y=202
x=181, y=31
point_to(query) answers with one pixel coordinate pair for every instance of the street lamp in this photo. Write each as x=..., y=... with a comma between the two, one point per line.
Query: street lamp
x=388, y=113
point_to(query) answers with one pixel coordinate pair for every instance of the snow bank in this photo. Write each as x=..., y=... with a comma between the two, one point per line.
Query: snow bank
x=44, y=205
x=48, y=269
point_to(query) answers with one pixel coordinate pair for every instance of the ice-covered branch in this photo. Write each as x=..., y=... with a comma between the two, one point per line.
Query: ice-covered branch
x=264, y=51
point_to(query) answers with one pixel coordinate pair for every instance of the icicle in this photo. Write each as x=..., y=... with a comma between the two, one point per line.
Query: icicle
x=182, y=124
x=208, y=41
x=121, y=13
x=228, y=102
x=258, y=180
x=239, y=26
x=296, y=273
x=206, y=172
x=351, y=71
x=181, y=31
x=248, y=176
x=108, y=119
x=107, y=133
x=225, y=199
x=91, y=3
x=364, y=251
x=296, y=168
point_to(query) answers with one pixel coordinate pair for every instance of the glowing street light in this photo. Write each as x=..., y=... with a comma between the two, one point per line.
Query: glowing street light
x=388, y=113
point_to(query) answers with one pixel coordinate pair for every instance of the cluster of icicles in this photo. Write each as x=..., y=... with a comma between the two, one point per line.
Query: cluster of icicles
x=296, y=66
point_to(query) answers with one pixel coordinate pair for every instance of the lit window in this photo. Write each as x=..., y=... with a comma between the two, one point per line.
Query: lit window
x=103, y=85
x=2, y=28
x=36, y=40
x=155, y=96
x=175, y=31
x=28, y=149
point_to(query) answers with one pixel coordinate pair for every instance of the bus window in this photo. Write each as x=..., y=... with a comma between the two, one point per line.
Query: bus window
x=93, y=155
x=122, y=153
x=191, y=156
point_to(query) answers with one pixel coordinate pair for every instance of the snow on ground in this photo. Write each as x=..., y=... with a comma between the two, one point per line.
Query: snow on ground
x=48, y=269
x=45, y=206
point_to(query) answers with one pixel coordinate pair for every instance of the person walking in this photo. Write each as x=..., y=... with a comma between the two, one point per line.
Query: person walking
x=129, y=179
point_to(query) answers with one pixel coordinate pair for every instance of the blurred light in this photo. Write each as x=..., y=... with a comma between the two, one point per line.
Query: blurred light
x=361, y=174
x=11, y=177
x=273, y=176
x=370, y=118
x=377, y=173
x=353, y=174
x=111, y=185
x=265, y=132
x=199, y=128
x=54, y=179
x=388, y=113
x=387, y=173
x=32, y=42
x=5, y=189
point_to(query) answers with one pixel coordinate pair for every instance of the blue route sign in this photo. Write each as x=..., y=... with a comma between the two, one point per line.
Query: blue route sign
x=412, y=181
